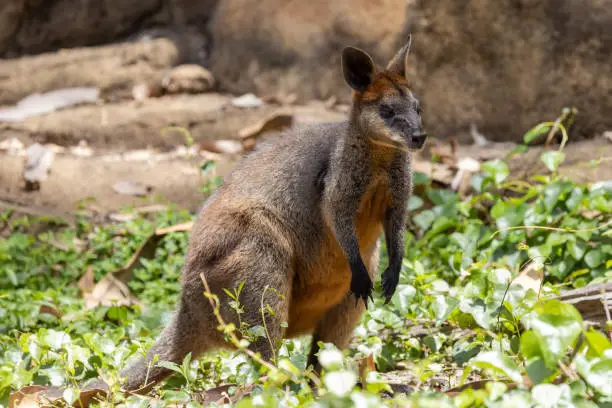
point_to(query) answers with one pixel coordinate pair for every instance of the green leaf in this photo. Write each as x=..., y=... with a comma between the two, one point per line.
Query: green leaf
x=530, y=346
x=53, y=339
x=340, y=383
x=496, y=361
x=552, y=159
x=497, y=170
x=330, y=358
x=552, y=192
x=538, y=372
x=441, y=197
x=443, y=306
x=424, y=219
x=600, y=377
x=170, y=366
x=575, y=199
x=597, y=373
x=556, y=326
x=176, y=396
x=403, y=297
x=594, y=258
x=576, y=248
x=536, y=131
x=551, y=395
x=597, y=343
x=414, y=203
x=420, y=178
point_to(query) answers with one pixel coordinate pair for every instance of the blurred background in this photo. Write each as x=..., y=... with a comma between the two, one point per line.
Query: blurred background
x=111, y=103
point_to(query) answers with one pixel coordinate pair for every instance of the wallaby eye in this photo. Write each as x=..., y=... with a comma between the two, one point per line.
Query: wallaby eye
x=386, y=111
x=418, y=108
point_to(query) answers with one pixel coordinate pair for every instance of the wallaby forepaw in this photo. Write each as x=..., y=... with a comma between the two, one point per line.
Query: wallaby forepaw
x=390, y=279
x=361, y=288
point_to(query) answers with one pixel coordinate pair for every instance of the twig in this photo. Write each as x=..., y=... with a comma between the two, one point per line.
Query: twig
x=604, y=302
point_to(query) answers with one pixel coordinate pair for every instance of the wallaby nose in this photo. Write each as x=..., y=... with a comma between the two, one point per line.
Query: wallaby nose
x=418, y=138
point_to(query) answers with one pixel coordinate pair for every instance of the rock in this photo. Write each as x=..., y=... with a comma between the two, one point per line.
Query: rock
x=114, y=69
x=11, y=12
x=31, y=27
x=188, y=78
x=504, y=65
x=265, y=46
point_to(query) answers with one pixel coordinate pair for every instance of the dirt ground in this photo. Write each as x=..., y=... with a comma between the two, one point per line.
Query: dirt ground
x=149, y=156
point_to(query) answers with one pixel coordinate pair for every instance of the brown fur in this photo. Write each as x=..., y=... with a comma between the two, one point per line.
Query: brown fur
x=298, y=223
x=383, y=84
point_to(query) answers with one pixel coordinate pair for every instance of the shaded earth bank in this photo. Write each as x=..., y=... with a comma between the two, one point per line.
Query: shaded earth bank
x=503, y=65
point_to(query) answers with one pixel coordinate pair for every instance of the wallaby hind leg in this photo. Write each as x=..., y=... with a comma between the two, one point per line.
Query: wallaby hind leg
x=184, y=334
x=339, y=322
x=336, y=327
x=264, y=266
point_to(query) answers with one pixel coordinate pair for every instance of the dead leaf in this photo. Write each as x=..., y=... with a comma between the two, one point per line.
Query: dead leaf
x=446, y=152
x=222, y=146
x=86, y=282
x=38, y=165
x=39, y=104
x=220, y=395
x=435, y=171
x=531, y=277
x=185, y=226
x=247, y=101
x=26, y=397
x=50, y=310
x=277, y=121
x=37, y=396
x=109, y=291
x=132, y=188
x=366, y=365
x=467, y=167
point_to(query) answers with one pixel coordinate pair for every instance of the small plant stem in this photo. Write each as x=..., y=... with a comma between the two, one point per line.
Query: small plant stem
x=265, y=324
x=551, y=228
x=214, y=302
x=569, y=373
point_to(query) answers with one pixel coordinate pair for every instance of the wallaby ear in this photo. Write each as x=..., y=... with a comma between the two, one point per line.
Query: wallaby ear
x=357, y=68
x=398, y=63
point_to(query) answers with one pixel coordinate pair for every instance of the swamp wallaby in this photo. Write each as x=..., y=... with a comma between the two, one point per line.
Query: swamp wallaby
x=303, y=217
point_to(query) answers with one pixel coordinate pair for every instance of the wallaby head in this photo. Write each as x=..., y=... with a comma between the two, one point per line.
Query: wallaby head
x=383, y=105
